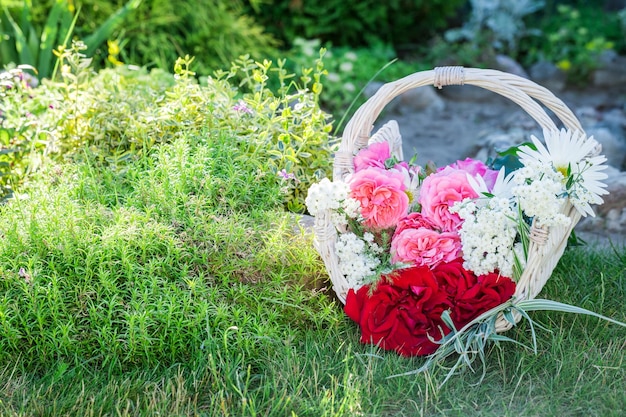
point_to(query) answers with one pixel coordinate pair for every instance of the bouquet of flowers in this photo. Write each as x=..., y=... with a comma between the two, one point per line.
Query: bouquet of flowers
x=436, y=261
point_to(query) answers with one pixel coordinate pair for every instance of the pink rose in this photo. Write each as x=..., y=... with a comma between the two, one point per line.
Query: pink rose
x=425, y=247
x=413, y=221
x=475, y=167
x=381, y=196
x=374, y=155
x=439, y=192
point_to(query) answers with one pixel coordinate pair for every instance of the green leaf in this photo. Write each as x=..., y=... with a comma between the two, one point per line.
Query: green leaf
x=106, y=29
x=509, y=316
x=550, y=305
x=49, y=37
x=21, y=44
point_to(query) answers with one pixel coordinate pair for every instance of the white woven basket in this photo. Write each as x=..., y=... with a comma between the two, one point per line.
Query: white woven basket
x=546, y=246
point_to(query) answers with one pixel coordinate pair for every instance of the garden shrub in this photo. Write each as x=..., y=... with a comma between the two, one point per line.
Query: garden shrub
x=573, y=37
x=116, y=114
x=131, y=279
x=356, y=23
x=159, y=31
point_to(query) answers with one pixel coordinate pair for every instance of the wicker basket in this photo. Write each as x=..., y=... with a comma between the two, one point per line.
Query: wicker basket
x=546, y=246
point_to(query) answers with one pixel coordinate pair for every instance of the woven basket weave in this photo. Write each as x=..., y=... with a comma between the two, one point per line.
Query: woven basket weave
x=546, y=246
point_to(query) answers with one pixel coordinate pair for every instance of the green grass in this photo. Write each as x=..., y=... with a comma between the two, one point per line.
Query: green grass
x=178, y=286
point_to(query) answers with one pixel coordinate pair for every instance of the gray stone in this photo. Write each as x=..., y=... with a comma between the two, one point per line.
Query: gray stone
x=548, y=75
x=611, y=216
x=612, y=71
x=497, y=141
x=468, y=93
x=612, y=147
x=372, y=88
x=419, y=99
x=507, y=64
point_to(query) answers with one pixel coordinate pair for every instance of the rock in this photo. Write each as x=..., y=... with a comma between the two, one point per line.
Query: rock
x=418, y=99
x=372, y=88
x=497, y=141
x=610, y=216
x=507, y=64
x=612, y=147
x=468, y=93
x=548, y=75
x=611, y=71
x=615, y=118
x=588, y=115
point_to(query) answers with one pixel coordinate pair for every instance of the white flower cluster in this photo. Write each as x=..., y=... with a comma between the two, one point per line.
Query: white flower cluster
x=357, y=257
x=541, y=193
x=488, y=235
x=333, y=196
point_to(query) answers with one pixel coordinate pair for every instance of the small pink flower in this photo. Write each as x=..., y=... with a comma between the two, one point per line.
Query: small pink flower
x=439, y=192
x=374, y=155
x=381, y=196
x=242, y=107
x=286, y=175
x=425, y=247
x=475, y=167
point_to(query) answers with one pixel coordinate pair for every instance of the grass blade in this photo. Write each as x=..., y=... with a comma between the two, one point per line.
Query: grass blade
x=343, y=118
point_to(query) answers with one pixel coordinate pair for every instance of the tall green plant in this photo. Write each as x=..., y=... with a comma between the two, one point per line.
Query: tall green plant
x=25, y=43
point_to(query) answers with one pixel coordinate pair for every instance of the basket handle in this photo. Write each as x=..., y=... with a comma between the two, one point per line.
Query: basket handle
x=527, y=94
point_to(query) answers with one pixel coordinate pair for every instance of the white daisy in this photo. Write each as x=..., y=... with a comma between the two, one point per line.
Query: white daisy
x=572, y=154
x=502, y=187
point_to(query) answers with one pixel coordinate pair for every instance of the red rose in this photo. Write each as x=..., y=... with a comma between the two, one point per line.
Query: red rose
x=453, y=278
x=471, y=295
x=488, y=292
x=402, y=313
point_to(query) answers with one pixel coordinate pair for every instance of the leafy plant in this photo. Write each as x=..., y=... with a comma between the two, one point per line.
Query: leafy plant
x=216, y=32
x=32, y=45
x=17, y=136
x=573, y=38
x=400, y=23
x=118, y=114
x=289, y=129
x=497, y=24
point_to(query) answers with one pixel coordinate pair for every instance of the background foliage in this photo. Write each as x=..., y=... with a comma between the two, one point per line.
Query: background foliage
x=159, y=31
x=401, y=23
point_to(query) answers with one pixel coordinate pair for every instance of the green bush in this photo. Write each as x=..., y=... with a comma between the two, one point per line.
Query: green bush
x=159, y=31
x=125, y=268
x=400, y=23
x=573, y=38
x=20, y=139
x=116, y=114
